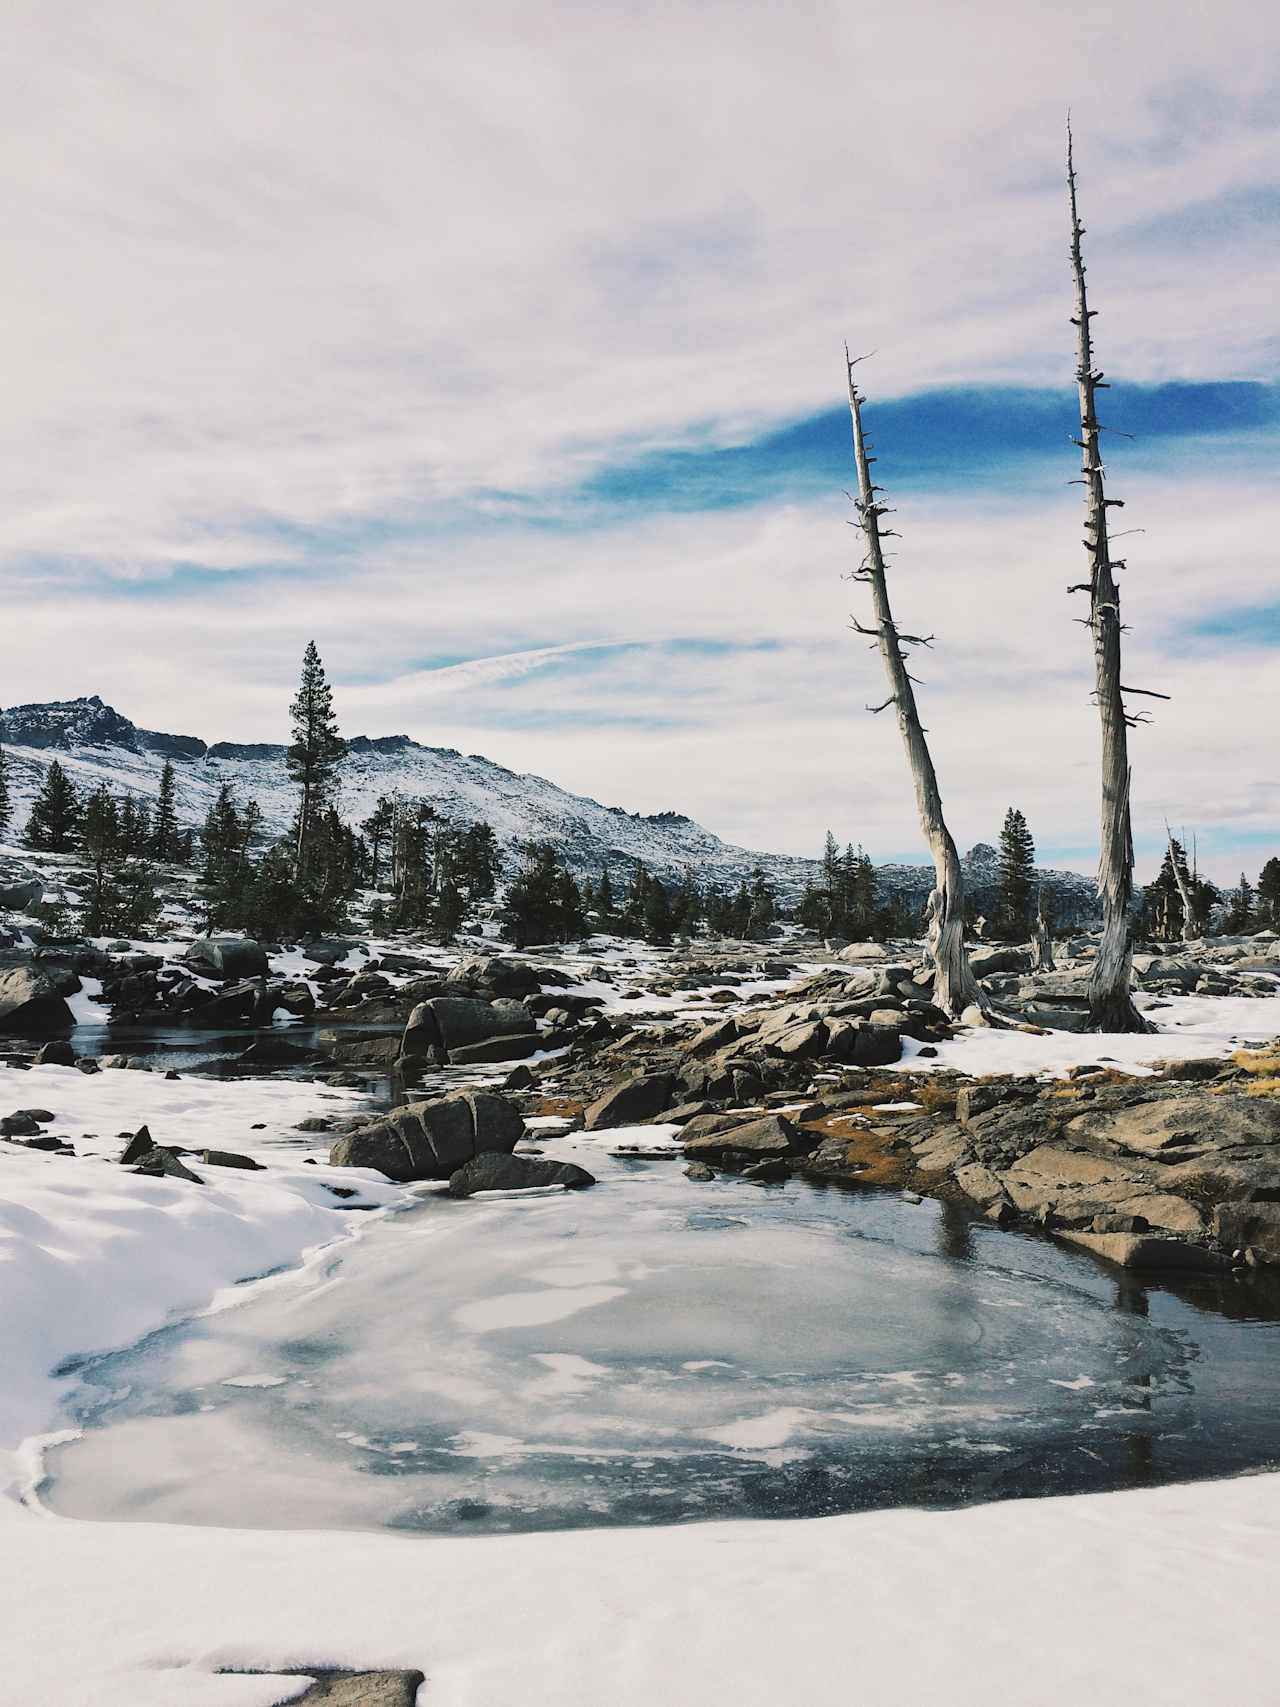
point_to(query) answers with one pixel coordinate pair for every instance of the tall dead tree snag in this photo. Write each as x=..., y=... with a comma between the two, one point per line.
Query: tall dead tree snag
x=955, y=987
x=1111, y=1005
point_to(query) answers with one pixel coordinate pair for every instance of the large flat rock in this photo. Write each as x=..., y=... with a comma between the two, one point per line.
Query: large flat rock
x=1172, y=1123
x=1143, y=1252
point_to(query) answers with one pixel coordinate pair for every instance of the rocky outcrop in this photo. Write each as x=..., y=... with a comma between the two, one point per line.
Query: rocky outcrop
x=31, y=1005
x=443, y=1024
x=433, y=1139
x=771, y=1135
x=630, y=1100
x=19, y=897
x=492, y=1171
x=1144, y=1173
x=227, y=958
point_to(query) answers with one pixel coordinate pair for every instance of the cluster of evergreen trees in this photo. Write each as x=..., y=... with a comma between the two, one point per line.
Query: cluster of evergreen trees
x=428, y=872
x=1163, y=912
x=546, y=903
x=843, y=902
x=59, y=820
x=121, y=839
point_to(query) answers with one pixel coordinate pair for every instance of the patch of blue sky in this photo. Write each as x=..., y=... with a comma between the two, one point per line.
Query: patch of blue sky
x=1233, y=625
x=1002, y=439
x=943, y=439
x=522, y=718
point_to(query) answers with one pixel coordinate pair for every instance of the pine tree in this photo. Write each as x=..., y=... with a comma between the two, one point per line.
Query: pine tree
x=764, y=908
x=830, y=863
x=862, y=897
x=631, y=917
x=376, y=829
x=604, y=900
x=479, y=861
x=1269, y=892
x=412, y=869
x=813, y=910
x=120, y=899
x=1240, y=913
x=543, y=903
x=659, y=925
x=6, y=804
x=164, y=824
x=334, y=867
x=1162, y=906
x=135, y=825
x=315, y=752
x=55, y=814
x=102, y=841
x=1017, y=875
x=223, y=838
x=450, y=909
x=687, y=903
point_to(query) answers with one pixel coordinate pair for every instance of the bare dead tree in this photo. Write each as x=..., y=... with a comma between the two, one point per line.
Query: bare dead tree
x=1111, y=1006
x=1177, y=864
x=955, y=987
x=1041, y=938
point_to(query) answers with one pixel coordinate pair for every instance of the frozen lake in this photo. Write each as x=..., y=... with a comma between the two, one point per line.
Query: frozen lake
x=654, y=1350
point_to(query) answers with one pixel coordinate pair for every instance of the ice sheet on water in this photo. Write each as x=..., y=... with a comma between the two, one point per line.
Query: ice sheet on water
x=622, y=1355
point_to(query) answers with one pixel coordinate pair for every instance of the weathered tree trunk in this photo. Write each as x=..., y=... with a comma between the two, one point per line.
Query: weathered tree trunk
x=1041, y=941
x=955, y=987
x=1111, y=1005
x=1190, y=926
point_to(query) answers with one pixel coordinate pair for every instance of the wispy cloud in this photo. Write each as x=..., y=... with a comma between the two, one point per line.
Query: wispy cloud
x=498, y=348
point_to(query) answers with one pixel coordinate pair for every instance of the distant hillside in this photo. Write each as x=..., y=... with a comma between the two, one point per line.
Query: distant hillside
x=94, y=743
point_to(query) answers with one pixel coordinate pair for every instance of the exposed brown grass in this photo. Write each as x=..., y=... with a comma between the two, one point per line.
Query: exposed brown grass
x=936, y=1098
x=865, y=1147
x=1263, y=1068
x=569, y=1107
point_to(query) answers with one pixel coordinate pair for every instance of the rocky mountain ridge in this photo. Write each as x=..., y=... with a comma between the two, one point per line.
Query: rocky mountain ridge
x=95, y=744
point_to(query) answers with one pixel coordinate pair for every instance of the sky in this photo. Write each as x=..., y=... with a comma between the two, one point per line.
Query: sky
x=498, y=348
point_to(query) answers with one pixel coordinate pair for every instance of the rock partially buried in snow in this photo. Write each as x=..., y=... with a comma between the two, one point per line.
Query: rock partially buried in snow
x=863, y=951
x=227, y=958
x=431, y=1140
x=509, y=1048
x=18, y=897
x=363, y=1689
x=495, y=1171
x=451, y=1023
x=57, y=1053
x=19, y=1125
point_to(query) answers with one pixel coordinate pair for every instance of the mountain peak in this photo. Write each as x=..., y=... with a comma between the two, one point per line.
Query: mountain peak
x=89, y=721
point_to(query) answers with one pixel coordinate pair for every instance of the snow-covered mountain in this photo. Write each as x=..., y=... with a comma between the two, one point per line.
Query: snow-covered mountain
x=95, y=744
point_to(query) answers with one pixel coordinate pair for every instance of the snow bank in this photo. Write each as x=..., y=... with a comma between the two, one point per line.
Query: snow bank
x=1163, y=1596
x=93, y=1256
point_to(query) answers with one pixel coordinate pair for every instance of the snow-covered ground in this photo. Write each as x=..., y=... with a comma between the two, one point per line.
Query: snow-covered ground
x=1191, y=1028
x=1166, y=1595
x=92, y=1256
